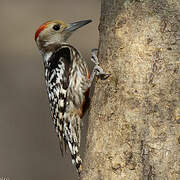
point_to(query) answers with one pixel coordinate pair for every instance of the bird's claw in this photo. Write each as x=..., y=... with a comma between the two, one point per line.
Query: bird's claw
x=98, y=70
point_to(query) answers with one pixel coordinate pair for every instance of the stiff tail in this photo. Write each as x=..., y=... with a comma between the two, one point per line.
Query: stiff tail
x=76, y=160
x=72, y=137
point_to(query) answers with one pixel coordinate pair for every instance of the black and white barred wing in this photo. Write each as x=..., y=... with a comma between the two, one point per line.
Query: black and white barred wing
x=57, y=80
x=68, y=83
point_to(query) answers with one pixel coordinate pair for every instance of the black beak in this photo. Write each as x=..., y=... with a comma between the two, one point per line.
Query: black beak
x=76, y=25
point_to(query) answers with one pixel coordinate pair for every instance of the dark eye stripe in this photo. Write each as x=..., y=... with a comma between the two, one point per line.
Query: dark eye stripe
x=56, y=27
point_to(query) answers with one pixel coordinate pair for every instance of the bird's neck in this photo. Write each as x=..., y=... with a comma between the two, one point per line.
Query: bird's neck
x=46, y=57
x=48, y=51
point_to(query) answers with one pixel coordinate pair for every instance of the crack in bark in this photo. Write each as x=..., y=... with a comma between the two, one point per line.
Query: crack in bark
x=147, y=167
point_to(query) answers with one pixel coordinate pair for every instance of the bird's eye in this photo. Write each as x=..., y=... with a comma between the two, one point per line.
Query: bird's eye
x=56, y=27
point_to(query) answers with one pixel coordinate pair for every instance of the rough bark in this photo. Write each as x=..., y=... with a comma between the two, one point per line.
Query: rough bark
x=134, y=123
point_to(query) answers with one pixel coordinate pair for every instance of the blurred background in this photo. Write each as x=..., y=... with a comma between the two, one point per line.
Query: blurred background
x=29, y=148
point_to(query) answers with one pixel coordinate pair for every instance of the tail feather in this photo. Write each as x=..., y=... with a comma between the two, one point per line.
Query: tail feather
x=72, y=137
x=77, y=161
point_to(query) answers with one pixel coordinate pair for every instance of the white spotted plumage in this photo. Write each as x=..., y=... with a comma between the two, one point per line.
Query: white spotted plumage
x=67, y=103
x=67, y=81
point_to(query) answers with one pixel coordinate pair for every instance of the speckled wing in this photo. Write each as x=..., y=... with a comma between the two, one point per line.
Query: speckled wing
x=68, y=89
x=57, y=81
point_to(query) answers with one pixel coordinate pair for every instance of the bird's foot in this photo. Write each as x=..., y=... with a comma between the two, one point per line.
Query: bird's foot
x=97, y=70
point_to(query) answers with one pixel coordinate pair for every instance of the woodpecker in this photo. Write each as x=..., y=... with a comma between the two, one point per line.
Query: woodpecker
x=68, y=82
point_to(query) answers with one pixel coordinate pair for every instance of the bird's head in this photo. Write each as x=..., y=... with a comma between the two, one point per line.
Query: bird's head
x=53, y=33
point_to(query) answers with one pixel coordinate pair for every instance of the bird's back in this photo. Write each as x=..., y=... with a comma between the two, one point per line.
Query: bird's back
x=67, y=80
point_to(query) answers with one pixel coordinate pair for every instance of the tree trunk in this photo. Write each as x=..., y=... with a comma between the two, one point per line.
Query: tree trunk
x=134, y=123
